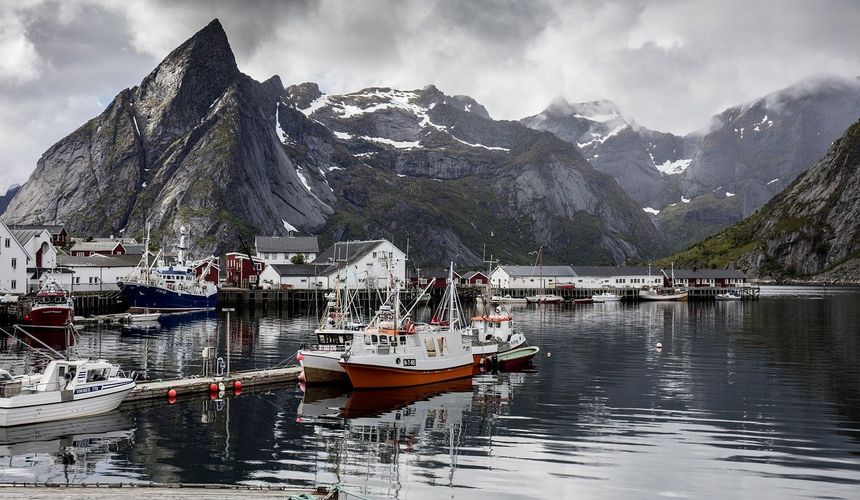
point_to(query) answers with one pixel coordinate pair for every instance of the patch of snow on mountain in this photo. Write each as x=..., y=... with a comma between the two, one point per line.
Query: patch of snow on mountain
x=650, y=210
x=729, y=195
x=396, y=144
x=303, y=178
x=491, y=148
x=772, y=181
x=289, y=227
x=602, y=139
x=601, y=118
x=281, y=134
x=332, y=168
x=401, y=175
x=467, y=107
x=143, y=185
x=674, y=167
x=134, y=119
x=317, y=103
x=685, y=200
x=342, y=135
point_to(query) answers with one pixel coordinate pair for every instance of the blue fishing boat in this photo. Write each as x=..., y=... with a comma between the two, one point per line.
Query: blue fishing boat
x=166, y=287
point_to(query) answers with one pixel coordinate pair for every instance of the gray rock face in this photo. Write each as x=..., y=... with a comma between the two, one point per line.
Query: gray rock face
x=642, y=161
x=200, y=144
x=536, y=185
x=811, y=227
x=195, y=144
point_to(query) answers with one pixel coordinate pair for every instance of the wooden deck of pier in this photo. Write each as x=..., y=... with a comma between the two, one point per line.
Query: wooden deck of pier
x=200, y=385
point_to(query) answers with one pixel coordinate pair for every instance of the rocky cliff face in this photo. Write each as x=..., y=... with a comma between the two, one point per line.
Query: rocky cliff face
x=698, y=184
x=200, y=144
x=811, y=227
x=195, y=144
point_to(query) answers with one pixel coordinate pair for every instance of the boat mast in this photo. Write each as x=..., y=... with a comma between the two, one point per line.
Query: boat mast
x=451, y=292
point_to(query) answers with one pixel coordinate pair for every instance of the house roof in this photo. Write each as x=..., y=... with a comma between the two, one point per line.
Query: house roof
x=708, y=274
x=94, y=246
x=124, y=241
x=610, y=271
x=51, y=229
x=296, y=269
x=133, y=249
x=472, y=274
x=20, y=245
x=287, y=244
x=98, y=261
x=433, y=273
x=548, y=271
x=25, y=235
x=348, y=250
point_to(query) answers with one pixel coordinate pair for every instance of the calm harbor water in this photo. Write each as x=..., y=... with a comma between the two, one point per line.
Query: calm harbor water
x=756, y=399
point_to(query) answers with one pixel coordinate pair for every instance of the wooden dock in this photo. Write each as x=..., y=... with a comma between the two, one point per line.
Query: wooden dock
x=158, y=389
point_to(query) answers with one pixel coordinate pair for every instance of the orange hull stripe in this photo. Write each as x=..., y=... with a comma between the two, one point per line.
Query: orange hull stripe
x=375, y=377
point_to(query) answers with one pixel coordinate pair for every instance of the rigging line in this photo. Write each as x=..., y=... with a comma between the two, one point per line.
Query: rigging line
x=27, y=345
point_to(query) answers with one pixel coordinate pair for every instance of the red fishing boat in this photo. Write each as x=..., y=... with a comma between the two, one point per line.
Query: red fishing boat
x=53, y=307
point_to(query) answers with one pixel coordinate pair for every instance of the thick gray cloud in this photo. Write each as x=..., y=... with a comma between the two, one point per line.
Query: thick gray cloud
x=669, y=64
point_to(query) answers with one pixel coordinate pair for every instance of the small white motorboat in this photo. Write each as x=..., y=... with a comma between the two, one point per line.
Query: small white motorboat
x=507, y=299
x=67, y=389
x=606, y=297
x=663, y=295
x=544, y=298
x=144, y=317
x=733, y=295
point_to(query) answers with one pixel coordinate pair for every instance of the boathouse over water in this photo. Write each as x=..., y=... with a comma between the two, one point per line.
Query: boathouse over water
x=596, y=277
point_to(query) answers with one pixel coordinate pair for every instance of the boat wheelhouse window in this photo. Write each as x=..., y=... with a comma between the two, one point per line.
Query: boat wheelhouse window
x=402, y=340
x=367, y=340
x=374, y=339
x=441, y=346
x=383, y=340
x=430, y=345
x=498, y=325
x=97, y=375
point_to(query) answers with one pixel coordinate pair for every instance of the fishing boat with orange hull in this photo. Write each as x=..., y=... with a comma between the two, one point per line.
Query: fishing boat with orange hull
x=388, y=357
x=493, y=333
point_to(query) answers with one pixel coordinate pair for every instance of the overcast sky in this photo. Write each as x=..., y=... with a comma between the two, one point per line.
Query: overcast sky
x=669, y=65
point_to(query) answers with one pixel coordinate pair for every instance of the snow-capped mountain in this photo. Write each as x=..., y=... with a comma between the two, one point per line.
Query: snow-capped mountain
x=200, y=144
x=702, y=182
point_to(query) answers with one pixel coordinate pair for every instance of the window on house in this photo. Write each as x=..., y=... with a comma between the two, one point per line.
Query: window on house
x=7, y=243
x=374, y=255
x=14, y=284
x=14, y=263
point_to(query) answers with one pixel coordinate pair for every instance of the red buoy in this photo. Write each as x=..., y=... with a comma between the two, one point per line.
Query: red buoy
x=237, y=385
x=300, y=356
x=26, y=317
x=171, y=393
x=213, y=387
x=237, y=392
x=171, y=400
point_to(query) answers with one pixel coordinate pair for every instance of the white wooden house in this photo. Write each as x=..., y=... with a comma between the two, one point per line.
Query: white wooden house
x=532, y=277
x=95, y=273
x=294, y=276
x=281, y=249
x=617, y=277
x=364, y=264
x=14, y=260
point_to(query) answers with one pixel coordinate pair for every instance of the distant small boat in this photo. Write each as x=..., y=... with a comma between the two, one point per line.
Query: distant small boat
x=588, y=300
x=734, y=295
x=668, y=295
x=606, y=297
x=146, y=317
x=507, y=299
x=516, y=358
x=544, y=298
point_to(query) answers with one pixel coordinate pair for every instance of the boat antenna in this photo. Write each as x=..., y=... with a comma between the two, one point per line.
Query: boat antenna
x=453, y=290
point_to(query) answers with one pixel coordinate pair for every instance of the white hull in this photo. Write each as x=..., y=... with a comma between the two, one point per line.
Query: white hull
x=321, y=367
x=728, y=297
x=606, y=298
x=50, y=405
x=663, y=296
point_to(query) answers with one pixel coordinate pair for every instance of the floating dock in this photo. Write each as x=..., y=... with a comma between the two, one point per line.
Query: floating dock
x=156, y=491
x=158, y=389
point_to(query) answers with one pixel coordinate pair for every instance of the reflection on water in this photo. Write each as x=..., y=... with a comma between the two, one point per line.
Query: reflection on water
x=749, y=399
x=65, y=452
